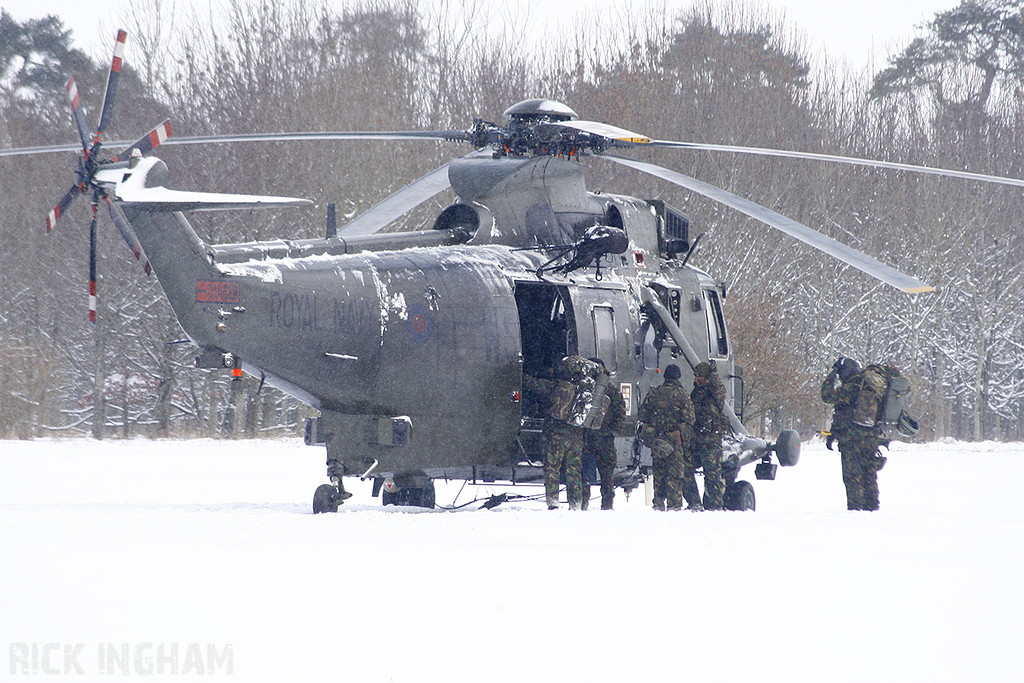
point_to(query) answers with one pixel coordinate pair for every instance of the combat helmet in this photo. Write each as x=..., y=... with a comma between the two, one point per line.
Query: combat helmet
x=846, y=367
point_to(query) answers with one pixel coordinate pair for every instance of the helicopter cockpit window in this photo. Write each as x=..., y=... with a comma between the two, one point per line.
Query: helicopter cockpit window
x=718, y=344
x=604, y=336
x=613, y=218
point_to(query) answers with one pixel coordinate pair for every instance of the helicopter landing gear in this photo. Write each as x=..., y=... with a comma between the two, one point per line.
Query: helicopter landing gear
x=328, y=497
x=739, y=496
x=787, y=448
x=415, y=496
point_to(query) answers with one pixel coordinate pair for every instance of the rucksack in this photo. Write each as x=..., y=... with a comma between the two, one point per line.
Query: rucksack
x=582, y=401
x=883, y=391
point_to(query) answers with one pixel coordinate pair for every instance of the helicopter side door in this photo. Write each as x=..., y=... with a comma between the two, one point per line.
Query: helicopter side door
x=604, y=330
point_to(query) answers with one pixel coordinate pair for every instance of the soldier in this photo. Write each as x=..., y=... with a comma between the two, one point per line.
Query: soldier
x=709, y=422
x=564, y=439
x=858, y=444
x=599, y=445
x=666, y=417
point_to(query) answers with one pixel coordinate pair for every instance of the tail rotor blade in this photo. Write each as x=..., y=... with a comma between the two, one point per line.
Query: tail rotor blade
x=77, y=113
x=92, y=265
x=127, y=233
x=115, y=74
x=148, y=142
x=62, y=206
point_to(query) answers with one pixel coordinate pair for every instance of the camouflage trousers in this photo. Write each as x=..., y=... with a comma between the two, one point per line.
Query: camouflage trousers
x=565, y=447
x=709, y=457
x=861, y=462
x=601, y=447
x=667, y=459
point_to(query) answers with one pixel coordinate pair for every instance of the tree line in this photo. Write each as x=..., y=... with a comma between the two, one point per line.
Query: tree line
x=713, y=73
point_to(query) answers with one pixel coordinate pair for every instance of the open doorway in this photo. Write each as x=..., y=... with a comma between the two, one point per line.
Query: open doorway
x=546, y=326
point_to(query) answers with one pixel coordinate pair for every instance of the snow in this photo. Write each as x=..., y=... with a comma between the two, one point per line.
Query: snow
x=203, y=557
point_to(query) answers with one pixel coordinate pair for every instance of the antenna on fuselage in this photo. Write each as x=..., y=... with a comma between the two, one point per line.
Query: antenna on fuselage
x=332, y=221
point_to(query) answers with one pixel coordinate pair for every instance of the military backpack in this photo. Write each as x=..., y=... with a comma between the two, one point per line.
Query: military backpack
x=879, y=405
x=581, y=401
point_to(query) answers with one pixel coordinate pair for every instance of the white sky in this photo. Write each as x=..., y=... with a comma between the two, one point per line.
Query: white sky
x=864, y=32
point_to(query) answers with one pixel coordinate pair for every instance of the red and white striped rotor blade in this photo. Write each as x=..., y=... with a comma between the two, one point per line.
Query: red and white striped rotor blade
x=112, y=79
x=148, y=142
x=77, y=113
x=61, y=208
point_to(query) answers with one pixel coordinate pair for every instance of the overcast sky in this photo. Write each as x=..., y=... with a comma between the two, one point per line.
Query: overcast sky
x=864, y=32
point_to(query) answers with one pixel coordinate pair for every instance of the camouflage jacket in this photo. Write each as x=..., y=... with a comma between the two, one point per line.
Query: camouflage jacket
x=709, y=419
x=537, y=395
x=615, y=418
x=843, y=395
x=668, y=408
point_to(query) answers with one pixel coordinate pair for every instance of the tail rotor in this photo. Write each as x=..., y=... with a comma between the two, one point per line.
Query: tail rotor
x=90, y=164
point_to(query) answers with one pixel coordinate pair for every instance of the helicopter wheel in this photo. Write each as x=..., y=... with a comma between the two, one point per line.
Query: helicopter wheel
x=787, y=448
x=739, y=496
x=428, y=496
x=424, y=497
x=325, y=499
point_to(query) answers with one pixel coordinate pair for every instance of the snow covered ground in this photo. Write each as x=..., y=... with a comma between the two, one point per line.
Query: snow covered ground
x=167, y=560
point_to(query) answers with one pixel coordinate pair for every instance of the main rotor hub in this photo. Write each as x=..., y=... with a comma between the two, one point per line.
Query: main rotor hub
x=540, y=109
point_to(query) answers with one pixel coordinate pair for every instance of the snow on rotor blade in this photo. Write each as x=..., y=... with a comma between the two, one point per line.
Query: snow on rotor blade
x=855, y=161
x=131, y=191
x=163, y=199
x=855, y=258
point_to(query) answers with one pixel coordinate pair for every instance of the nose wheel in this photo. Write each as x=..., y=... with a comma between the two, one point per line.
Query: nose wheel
x=328, y=497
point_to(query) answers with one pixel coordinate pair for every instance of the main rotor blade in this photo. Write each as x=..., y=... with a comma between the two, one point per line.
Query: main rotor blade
x=112, y=79
x=62, y=206
x=21, y=151
x=77, y=113
x=148, y=142
x=450, y=135
x=398, y=204
x=604, y=130
x=846, y=254
x=855, y=161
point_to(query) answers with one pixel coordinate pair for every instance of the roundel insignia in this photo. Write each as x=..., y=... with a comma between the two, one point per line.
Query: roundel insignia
x=419, y=323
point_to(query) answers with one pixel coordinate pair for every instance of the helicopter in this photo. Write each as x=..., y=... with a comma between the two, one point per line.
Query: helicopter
x=413, y=346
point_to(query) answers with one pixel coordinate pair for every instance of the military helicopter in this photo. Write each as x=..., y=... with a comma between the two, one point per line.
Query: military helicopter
x=412, y=346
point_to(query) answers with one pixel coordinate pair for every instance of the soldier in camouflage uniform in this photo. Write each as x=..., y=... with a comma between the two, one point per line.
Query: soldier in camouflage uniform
x=858, y=445
x=600, y=444
x=564, y=440
x=666, y=418
x=708, y=397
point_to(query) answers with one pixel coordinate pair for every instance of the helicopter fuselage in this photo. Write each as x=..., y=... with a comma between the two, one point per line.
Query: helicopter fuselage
x=413, y=346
